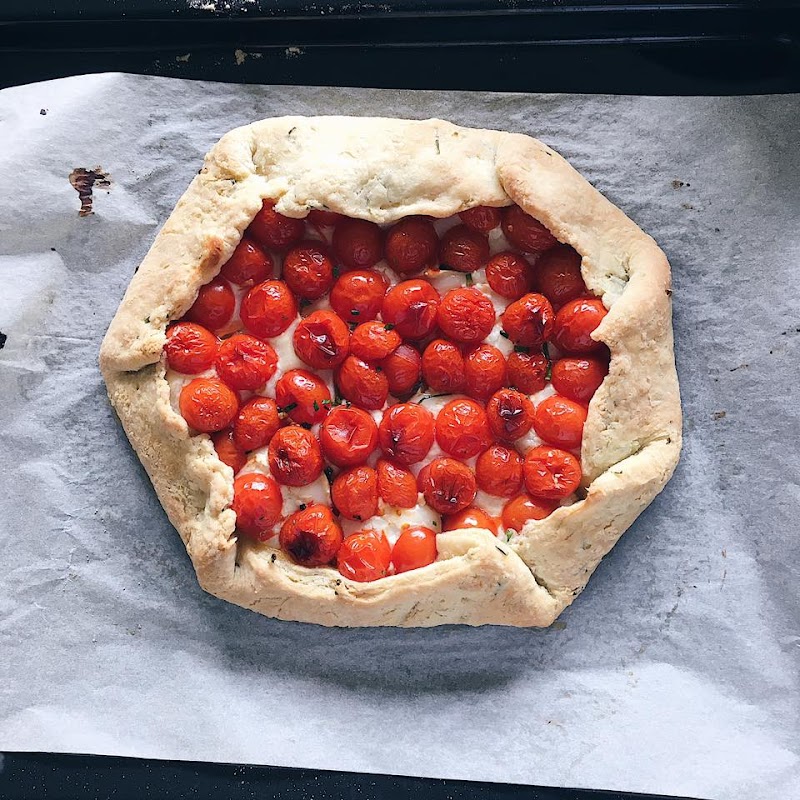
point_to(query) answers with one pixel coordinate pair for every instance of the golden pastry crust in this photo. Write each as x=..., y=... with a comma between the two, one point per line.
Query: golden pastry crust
x=382, y=170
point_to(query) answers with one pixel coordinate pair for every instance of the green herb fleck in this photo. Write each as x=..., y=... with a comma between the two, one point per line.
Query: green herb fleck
x=335, y=270
x=431, y=396
x=302, y=506
x=147, y=320
x=469, y=279
x=520, y=348
x=504, y=334
x=316, y=405
x=438, y=149
x=389, y=326
x=509, y=533
x=329, y=474
x=287, y=409
x=292, y=130
x=354, y=312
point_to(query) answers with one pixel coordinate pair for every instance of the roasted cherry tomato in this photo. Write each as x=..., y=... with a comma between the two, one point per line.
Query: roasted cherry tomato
x=411, y=308
x=227, y=451
x=248, y=265
x=364, y=556
x=462, y=429
x=509, y=274
x=415, y=547
x=274, y=231
x=560, y=421
x=357, y=296
x=527, y=371
x=406, y=432
x=484, y=370
x=208, y=405
x=526, y=233
x=322, y=340
x=551, y=473
x=466, y=315
x=481, y=218
x=529, y=320
x=403, y=370
x=256, y=423
x=574, y=324
x=374, y=341
x=302, y=396
x=362, y=384
x=470, y=517
x=312, y=537
x=463, y=249
x=357, y=243
x=448, y=485
x=510, y=414
x=324, y=219
x=522, y=508
x=498, y=471
x=355, y=493
x=214, y=306
x=411, y=245
x=294, y=456
x=258, y=504
x=443, y=367
x=308, y=270
x=348, y=436
x=268, y=309
x=578, y=378
x=558, y=275
x=246, y=363
x=190, y=348
x=396, y=485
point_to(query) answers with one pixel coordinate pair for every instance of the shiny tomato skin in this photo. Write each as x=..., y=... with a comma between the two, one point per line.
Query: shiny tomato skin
x=362, y=384
x=258, y=504
x=526, y=233
x=411, y=245
x=214, y=306
x=373, y=341
x=357, y=296
x=527, y=372
x=364, y=556
x=273, y=230
x=558, y=275
x=256, y=423
x=498, y=471
x=470, y=517
x=509, y=275
x=357, y=243
x=227, y=451
x=397, y=486
x=466, y=315
x=484, y=371
x=268, y=309
x=403, y=370
x=308, y=270
x=411, y=308
x=559, y=421
x=320, y=218
x=246, y=363
x=414, y=548
x=311, y=536
x=510, y=414
x=406, y=433
x=190, y=348
x=348, y=436
x=248, y=265
x=463, y=249
x=481, y=218
x=522, y=508
x=578, y=378
x=355, y=493
x=294, y=456
x=551, y=473
x=443, y=367
x=529, y=321
x=322, y=340
x=303, y=396
x=448, y=485
x=575, y=323
x=208, y=405
x=462, y=429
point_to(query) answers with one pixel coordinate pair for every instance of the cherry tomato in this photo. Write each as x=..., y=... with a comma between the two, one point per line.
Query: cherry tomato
x=448, y=485
x=324, y=219
x=574, y=324
x=484, y=371
x=190, y=348
x=558, y=275
x=403, y=370
x=348, y=436
x=311, y=536
x=551, y=473
x=406, y=432
x=443, y=367
x=529, y=320
x=258, y=504
x=302, y=396
x=364, y=556
x=411, y=308
x=227, y=451
x=357, y=296
x=462, y=429
x=526, y=233
x=463, y=249
x=248, y=265
x=578, y=378
x=357, y=243
x=396, y=485
x=527, y=371
x=214, y=306
x=466, y=315
x=355, y=493
x=362, y=384
x=274, y=231
x=522, y=508
x=246, y=363
x=373, y=341
x=322, y=340
x=481, y=218
x=415, y=547
x=510, y=414
x=560, y=421
x=308, y=270
x=256, y=423
x=411, y=245
x=510, y=275
x=294, y=456
x=208, y=405
x=268, y=309
x=470, y=517
x=498, y=471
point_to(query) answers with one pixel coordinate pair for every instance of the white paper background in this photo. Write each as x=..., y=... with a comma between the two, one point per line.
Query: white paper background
x=677, y=669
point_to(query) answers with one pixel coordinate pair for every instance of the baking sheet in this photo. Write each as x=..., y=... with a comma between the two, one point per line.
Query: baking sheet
x=676, y=671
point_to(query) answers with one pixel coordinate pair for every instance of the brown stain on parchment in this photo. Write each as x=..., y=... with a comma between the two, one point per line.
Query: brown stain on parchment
x=83, y=181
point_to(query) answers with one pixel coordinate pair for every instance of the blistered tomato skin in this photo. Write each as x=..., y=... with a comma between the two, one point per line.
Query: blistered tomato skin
x=397, y=486
x=362, y=383
x=526, y=233
x=214, y=306
x=481, y=218
x=355, y=493
x=302, y=396
x=357, y=243
x=227, y=451
x=411, y=308
x=484, y=371
x=522, y=508
x=575, y=323
x=510, y=275
x=190, y=348
x=463, y=249
x=578, y=378
x=443, y=367
x=348, y=436
x=510, y=414
x=268, y=309
x=470, y=517
x=308, y=270
x=406, y=433
x=364, y=556
x=462, y=429
x=256, y=423
x=246, y=363
x=527, y=372
x=558, y=275
x=294, y=456
x=208, y=405
x=248, y=265
x=466, y=315
x=357, y=296
x=448, y=485
x=560, y=422
x=373, y=341
x=498, y=471
x=403, y=370
x=322, y=340
x=414, y=548
x=529, y=320
x=273, y=230
x=551, y=473
x=411, y=245
x=311, y=536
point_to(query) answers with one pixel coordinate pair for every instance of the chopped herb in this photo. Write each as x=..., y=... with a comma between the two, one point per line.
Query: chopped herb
x=335, y=270
x=378, y=369
x=147, y=320
x=430, y=396
x=306, y=425
x=328, y=403
x=316, y=405
x=354, y=312
x=357, y=516
x=546, y=351
x=509, y=533
x=549, y=372
x=501, y=550
x=438, y=149
x=287, y=409
x=469, y=279
x=292, y=130
x=520, y=348
x=274, y=558
x=388, y=326
x=504, y=334
x=302, y=506
x=434, y=523
x=329, y=474
x=304, y=302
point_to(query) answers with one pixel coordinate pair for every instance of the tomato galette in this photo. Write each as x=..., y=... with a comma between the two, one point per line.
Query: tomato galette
x=386, y=372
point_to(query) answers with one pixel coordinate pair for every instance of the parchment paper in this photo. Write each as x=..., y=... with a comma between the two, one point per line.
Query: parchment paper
x=676, y=671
